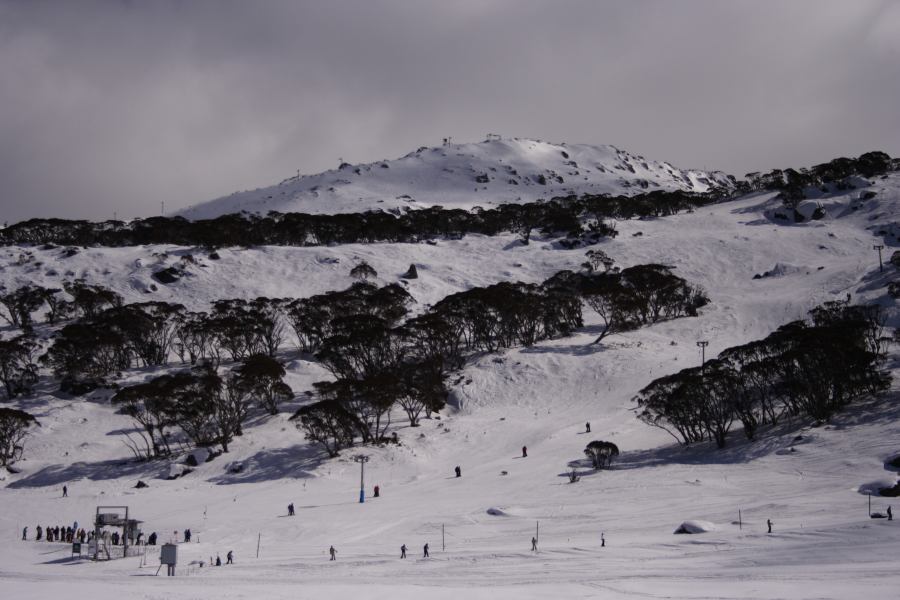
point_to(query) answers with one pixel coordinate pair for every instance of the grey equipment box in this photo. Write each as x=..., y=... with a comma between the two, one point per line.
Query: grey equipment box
x=169, y=554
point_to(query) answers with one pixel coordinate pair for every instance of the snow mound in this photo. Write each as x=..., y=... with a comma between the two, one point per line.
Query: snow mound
x=198, y=457
x=177, y=470
x=695, y=526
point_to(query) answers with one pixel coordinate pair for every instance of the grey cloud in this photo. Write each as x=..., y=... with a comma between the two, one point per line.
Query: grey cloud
x=118, y=106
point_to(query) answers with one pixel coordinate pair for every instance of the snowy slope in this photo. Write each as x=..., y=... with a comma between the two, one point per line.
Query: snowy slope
x=823, y=546
x=464, y=176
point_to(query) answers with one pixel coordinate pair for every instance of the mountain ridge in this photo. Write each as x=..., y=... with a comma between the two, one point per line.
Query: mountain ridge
x=487, y=173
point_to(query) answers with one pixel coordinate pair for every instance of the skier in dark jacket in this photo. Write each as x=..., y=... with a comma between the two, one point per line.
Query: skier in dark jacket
x=25, y=534
x=403, y=551
x=524, y=452
x=425, y=549
x=332, y=552
x=291, y=509
x=769, y=523
x=890, y=514
x=587, y=427
x=533, y=544
x=229, y=558
x=458, y=471
x=218, y=561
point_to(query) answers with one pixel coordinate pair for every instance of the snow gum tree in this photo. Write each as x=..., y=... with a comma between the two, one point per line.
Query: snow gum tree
x=14, y=425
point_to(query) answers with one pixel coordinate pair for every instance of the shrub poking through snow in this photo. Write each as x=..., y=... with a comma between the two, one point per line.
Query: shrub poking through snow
x=363, y=271
x=695, y=526
x=601, y=453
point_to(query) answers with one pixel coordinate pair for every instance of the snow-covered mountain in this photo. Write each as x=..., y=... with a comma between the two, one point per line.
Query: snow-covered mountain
x=488, y=173
x=760, y=271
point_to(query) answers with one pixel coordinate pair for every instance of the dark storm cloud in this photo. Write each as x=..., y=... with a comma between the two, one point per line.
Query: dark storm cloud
x=118, y=106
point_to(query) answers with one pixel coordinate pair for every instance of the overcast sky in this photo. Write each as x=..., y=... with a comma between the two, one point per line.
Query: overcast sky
x=118, y=106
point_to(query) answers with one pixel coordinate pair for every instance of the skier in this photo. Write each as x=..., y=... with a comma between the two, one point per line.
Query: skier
x=425, y=551
x=218, y=561
x=377, y=490
x=65, y=492
x=229, y=558
x=39, y=532
x=187, y=535
x=587, y=427
x=25, y=534
x=332, y=552
x=403, y=551
x=152, y=539
x=890, y=514
x=458, y=471
x=533, y=544
x=602, y=541
x=524, y=452
x=769, y=523
x=291, y=509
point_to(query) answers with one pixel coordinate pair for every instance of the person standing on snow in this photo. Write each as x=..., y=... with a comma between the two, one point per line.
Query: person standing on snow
x=25, y=533
x=587, y=427
x=890, y=514
x=403, y=551
x=229, y=558
x=769, y=523
x=332, y=552
x=458, y=471
x=533, y=544
x=291, y=509
x=65, y=492
x=425, y=549
x=524, y=452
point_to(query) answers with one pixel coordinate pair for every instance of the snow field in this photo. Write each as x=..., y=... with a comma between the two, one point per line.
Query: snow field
x=823, y=544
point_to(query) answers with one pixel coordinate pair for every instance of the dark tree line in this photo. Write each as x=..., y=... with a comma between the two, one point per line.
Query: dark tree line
x=205, y=406
x=630, y=298
x=791, y=182
x=380, y=361
x=813, y=368
x=101, y=336
x=379, y=365
x=86, y=301
x=579, y=217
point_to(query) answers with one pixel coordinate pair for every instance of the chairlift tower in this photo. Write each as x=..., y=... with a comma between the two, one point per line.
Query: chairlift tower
x=879, y=248
x=702, y=345
x=362, y=459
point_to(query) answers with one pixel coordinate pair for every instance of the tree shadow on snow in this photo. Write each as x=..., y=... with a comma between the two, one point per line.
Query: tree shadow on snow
x=570, y=349
x=55, y=475
x=294, y=462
